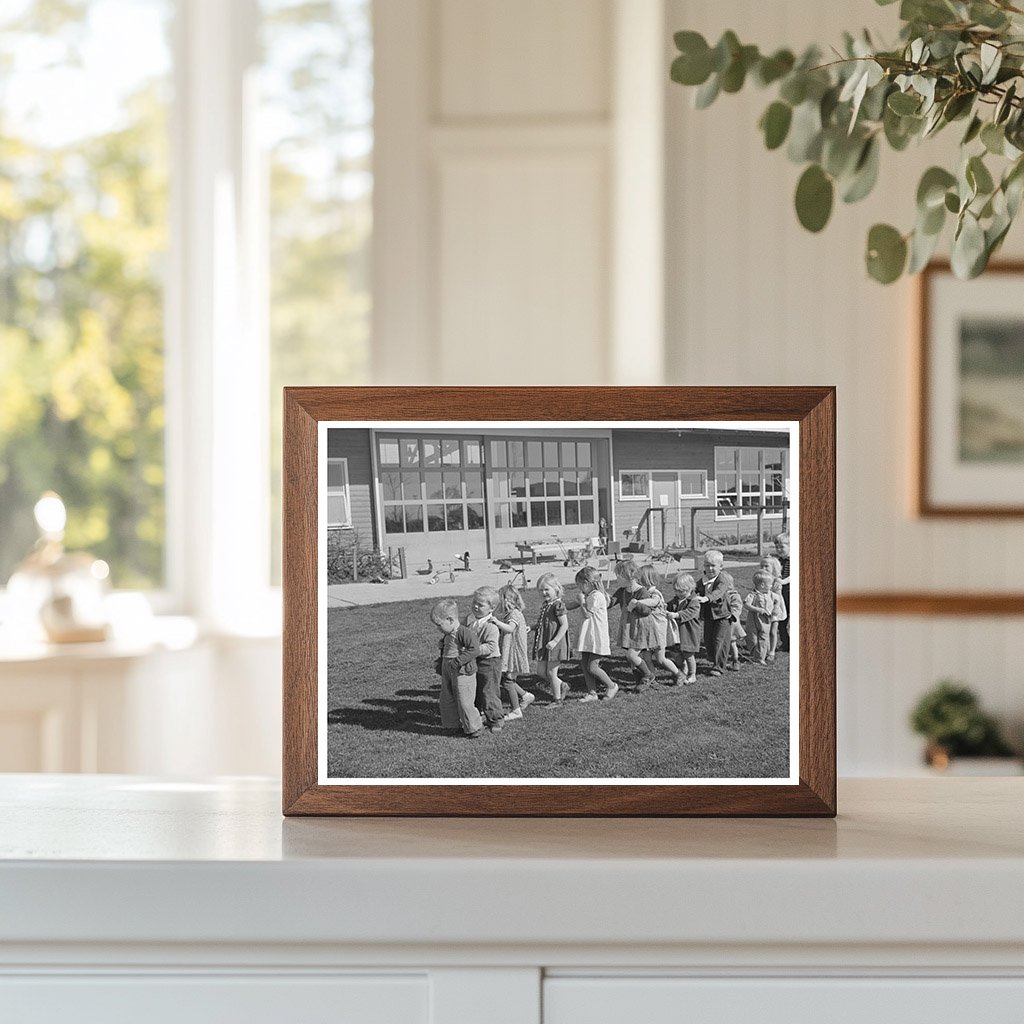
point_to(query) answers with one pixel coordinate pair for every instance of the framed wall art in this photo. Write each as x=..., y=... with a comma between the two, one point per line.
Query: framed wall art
x=970, y=445
x=559, y=601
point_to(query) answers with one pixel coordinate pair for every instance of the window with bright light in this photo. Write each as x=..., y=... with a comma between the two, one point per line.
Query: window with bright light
x=83, y=241
x=317, y=130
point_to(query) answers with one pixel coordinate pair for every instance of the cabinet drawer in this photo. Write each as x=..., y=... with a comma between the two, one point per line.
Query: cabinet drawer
x=202, y=999
x=661, y=1000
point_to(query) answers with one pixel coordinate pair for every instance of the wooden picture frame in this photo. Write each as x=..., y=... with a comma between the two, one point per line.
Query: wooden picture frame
x=953, y=476
x=807, y=412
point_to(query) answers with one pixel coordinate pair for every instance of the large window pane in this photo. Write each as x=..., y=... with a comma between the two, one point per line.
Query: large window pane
x=316, y=127
x=83, y=238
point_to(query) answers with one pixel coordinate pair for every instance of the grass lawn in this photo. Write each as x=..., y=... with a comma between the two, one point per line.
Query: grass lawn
x=383, y=717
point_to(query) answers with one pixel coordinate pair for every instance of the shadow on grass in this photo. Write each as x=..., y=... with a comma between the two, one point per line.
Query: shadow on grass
x=405, y=712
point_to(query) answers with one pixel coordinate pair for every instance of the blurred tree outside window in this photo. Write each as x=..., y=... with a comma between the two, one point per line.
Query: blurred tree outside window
x=85, y=92
x=317, y=127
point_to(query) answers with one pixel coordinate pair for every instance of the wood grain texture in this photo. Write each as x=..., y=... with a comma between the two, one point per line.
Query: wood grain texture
x=925, y=507
x=952, y=605
x=812, y=407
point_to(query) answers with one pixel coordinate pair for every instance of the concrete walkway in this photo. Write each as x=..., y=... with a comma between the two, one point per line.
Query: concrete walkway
x=350, y=595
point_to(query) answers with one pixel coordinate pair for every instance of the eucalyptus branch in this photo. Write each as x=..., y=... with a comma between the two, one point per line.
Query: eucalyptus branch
x=833, y=117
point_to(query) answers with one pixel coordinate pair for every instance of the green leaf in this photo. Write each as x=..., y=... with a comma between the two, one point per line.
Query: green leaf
x=707, y=93
x=839, y=151
x=887, y=253
x=814, y=194
x=1004, y=106
x=805, y=133
x=922, y=247
x=973, y=129
x=959, y=105
x=900, y=130
x=993, y=138
x=903, y=103
x=725, y=50
x=987, y=15
x=968, y=256
x=693, y=65
x=794, y=89
x=865, y=173
x=991, y=60
x=931, y=191
x=978, y=176
x=736, y=73
x=775, y=124
x=952, y=202
x=771, y=69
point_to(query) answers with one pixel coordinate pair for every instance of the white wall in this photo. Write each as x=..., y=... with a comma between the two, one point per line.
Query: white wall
x=753, y=298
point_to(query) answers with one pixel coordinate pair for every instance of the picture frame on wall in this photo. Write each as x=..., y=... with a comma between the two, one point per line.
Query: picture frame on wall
x=559, y=601
x=970, y=422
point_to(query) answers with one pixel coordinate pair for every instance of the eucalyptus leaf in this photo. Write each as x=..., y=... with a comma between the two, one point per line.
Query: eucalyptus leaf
x=952, y=202
x=973, y=129
x=922, y=248
x=814, y=196
x=886, y=253
x=707, y=93
x=968, y=247
x=771, y=69
x=805, y=133
x=991, y=61
x=931, y=190
x=993, y=138
x=978, y=176
x=775, y=124
x=904, y=103
x=724, y=51
x=865, y=174
x=794, y=88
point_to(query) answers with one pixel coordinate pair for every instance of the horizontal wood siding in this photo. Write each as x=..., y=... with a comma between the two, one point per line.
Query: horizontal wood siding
x=354, y=445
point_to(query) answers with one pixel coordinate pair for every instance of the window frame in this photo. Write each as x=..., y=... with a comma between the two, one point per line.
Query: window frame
x=498, y=505
x=344, y=491
x=739, y=472
x=649, y=496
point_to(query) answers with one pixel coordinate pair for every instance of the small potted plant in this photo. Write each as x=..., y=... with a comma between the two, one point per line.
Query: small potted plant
x=950, y=718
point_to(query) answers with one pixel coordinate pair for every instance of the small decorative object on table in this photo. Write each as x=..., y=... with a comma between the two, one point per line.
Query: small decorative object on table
x=369, y=729
x=950, y=717
x=56, y=594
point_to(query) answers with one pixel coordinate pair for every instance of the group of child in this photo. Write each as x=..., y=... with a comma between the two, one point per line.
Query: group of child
x=488, y=651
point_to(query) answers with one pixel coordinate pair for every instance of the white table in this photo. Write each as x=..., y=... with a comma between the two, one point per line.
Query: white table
x=197, y=902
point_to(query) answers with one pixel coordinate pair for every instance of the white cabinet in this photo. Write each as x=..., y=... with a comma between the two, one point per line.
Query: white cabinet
x=202, y=999
x=126, y=899
x=823, y=1000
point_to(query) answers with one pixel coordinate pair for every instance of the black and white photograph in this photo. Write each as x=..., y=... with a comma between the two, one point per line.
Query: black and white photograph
x=558, y=601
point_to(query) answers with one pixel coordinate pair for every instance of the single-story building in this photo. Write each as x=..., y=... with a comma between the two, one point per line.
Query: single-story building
x=441, y=493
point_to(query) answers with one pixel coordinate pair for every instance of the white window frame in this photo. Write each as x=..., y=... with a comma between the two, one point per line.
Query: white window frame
x=648, y=497
x=687, y=496
x=344, y=492
x=740, y=514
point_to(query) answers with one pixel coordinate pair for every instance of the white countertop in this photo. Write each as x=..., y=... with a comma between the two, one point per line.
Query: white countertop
x=119, y=859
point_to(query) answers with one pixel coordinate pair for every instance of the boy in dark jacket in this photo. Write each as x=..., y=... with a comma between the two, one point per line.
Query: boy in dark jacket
x=713, y=589
x=456, y=665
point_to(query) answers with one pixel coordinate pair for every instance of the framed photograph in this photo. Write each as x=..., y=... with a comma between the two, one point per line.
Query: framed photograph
x=970, y=450
x=559, y=601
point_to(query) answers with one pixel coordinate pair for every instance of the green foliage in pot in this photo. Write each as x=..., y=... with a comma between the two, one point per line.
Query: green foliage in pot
x=957, y=62
x=950, y=717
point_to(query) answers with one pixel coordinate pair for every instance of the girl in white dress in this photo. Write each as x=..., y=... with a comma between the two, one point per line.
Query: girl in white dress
x=594, y=643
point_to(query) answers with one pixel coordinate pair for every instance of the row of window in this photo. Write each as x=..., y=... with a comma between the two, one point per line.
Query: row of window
x=416, y=500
